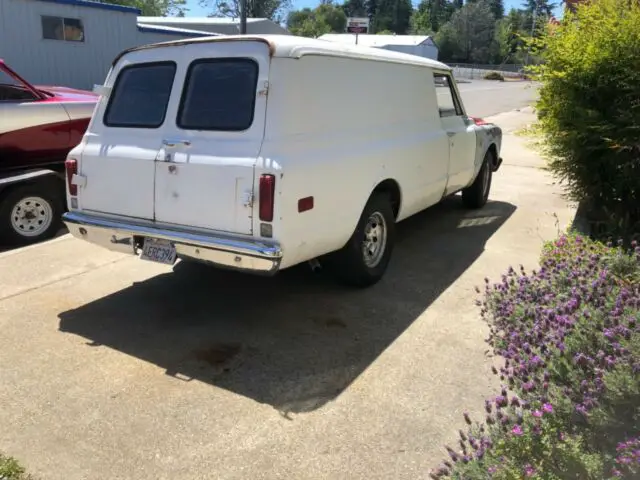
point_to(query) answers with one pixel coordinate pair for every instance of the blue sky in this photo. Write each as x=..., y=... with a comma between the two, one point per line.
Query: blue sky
x=196, y=11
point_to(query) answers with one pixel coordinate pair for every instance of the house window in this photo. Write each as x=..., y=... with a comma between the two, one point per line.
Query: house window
x=60, y=28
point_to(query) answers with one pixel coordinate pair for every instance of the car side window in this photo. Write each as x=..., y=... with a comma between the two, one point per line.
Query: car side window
x=448, y=103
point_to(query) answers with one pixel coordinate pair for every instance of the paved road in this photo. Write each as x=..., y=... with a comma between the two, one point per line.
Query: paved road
x=483, y=98
x=115, y=368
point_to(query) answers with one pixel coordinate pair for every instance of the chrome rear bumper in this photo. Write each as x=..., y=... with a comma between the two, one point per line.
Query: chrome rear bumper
x=219, y=249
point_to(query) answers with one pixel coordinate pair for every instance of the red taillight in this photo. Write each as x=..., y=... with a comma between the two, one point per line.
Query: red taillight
x=478, y=121
x=71, y=168
x=267, y=193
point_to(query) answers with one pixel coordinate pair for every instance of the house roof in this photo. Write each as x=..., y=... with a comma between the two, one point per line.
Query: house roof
x=375, y=40
x=90, y=4
x=145, y=27
x=197, y=20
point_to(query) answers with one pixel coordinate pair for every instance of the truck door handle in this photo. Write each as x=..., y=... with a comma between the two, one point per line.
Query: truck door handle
x=174, y=142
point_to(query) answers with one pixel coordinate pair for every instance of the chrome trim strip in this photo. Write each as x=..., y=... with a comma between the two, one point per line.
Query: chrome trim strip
x=218, y=241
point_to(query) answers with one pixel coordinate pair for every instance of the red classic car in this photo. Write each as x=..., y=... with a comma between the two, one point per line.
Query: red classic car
x=38, y=127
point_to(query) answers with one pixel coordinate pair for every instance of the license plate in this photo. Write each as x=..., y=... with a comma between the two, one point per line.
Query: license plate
x=160, y=251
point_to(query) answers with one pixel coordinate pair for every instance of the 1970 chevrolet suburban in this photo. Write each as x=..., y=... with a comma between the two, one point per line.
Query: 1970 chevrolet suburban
x=38, y=127
x=258, y=153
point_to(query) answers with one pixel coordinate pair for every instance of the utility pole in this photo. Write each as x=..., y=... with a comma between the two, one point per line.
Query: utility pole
x=243, y=17
x=533, y=29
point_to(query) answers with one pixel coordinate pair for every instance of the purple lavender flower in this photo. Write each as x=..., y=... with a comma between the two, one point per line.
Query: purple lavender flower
x=547, y=408
x=517, y=430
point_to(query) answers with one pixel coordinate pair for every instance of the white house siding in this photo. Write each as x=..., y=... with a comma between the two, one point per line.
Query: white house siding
x=107, y=31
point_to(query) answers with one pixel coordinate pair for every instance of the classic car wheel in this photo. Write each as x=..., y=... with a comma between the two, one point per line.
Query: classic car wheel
x=476, y=195
x=29, y=214
x=364, y=259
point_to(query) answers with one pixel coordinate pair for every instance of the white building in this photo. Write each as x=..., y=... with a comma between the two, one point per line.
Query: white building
x=225, y=26
x=73, y=42
x=420, y=45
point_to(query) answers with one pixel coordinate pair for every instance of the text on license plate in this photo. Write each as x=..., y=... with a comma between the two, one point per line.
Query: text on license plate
x=160, y=251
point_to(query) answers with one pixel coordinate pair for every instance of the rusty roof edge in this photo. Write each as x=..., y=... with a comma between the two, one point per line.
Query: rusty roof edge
x=187, y=41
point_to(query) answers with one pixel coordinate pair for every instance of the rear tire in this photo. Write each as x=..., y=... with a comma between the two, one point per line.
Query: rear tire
x=30, y=214
x=477, y=194
x=363, y=261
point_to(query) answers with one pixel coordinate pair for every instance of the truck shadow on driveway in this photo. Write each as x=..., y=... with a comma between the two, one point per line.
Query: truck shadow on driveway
x=297, y=340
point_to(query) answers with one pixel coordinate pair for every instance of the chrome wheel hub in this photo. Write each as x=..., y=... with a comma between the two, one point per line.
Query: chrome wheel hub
x=375, y=240
x=31, y=216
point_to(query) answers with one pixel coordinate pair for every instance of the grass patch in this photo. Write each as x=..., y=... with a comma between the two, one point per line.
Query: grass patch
x=10, y=469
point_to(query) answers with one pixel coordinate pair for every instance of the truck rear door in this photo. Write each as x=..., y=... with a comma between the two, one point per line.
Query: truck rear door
x=205, y=172
x=124, y=137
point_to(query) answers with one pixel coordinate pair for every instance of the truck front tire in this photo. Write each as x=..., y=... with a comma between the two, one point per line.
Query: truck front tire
x=30, y=214
x=363, y=261
x=477, y=194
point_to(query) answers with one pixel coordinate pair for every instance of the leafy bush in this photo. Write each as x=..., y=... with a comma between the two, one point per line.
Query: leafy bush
x=569, y=335
x=589, y=108
x=494, y=76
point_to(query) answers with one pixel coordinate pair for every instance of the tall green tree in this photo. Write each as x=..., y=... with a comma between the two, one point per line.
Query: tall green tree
x=440, y=11
x=275, y=10
x=355, y=8
x=420, y=20
x=392, y=15
x=540, y=7
x=469, y=35
x=154, y=8
x=325, y=18
x=497, y=8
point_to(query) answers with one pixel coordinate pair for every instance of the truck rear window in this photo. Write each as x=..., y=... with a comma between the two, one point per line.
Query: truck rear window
x=219, y=94
x=140, y=96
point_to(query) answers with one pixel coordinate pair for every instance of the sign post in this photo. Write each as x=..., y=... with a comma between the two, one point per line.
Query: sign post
x=357, y=25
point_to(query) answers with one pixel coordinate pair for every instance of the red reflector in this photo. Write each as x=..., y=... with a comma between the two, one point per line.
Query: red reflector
x=266, y=197
x=305, y=204
x=71, y=168
x=478, y=121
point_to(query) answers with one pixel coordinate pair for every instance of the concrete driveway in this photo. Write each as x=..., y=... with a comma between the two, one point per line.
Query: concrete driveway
x=114, y=368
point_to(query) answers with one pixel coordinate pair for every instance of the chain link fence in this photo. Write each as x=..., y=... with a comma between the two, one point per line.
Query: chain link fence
x=477, y=71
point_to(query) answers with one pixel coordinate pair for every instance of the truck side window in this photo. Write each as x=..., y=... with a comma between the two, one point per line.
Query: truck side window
x=448, y=103
x=140, y=96
x=219, y=94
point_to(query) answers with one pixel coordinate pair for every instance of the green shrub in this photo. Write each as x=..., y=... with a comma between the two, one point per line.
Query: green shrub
x=494, y=76
x=10, y=469
x=589, y=108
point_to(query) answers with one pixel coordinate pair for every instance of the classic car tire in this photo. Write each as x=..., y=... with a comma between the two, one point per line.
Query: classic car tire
x=477, y=194
x=53, y=208
x=377, y=225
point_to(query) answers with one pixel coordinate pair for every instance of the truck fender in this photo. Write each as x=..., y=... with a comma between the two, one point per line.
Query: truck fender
x=21, y=176
x=488, y=137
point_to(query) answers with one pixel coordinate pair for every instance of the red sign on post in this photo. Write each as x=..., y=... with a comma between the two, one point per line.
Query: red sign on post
x=357, y=25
